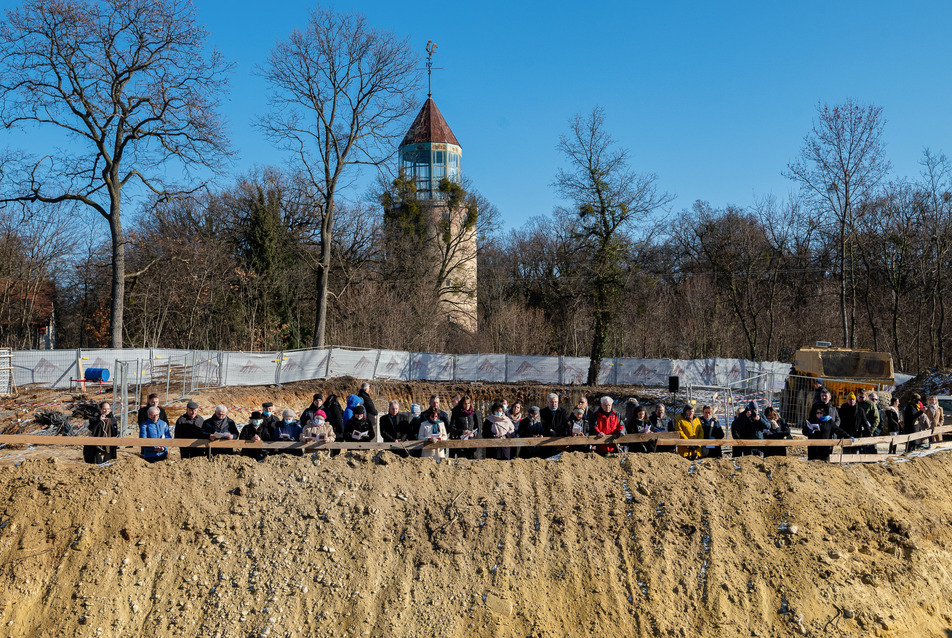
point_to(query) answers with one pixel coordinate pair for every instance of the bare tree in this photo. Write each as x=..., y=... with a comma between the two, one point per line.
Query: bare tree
x=131, y=93
x=611, y=202
x=339, y=91
x=842, y=161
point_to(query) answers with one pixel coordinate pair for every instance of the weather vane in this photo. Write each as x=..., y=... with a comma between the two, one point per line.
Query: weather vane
x=430, y=48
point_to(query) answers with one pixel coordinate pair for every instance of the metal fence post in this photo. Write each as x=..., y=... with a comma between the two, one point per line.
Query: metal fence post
x=327, y=368
x=376, y=363
x=506, y=367
x=277, y=369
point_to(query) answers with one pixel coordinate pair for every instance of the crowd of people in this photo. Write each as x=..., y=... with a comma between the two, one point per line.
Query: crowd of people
x=358, y=420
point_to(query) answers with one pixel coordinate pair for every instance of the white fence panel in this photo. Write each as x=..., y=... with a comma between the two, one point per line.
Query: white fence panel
x=250, y=368
x=651, y=372
x=304, y=365
x=431, y=367
x=393, y=364
x=481, y=367
x=352, y=363
x=50, y=368
x=607, y=372
x=575, y=370
x=533, y=368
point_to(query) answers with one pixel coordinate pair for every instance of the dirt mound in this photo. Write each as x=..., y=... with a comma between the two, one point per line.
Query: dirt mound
x=936, y=381
x=364, y=544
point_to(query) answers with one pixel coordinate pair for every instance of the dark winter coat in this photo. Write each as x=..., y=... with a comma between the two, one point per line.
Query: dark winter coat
x=100, y=427
x=369, y=407
x=553, y=421
x=823, y=428
x=460, y=422
x=216, y=425
x=186, y=428
x=248, y=433
x=361, y=425
x=712, y=430
x=396, y=427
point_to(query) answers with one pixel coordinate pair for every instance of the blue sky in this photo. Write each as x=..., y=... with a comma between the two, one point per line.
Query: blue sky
x=714, y=97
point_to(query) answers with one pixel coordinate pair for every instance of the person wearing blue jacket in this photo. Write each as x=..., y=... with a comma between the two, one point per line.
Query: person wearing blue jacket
x=352, y=402
x=154, y=428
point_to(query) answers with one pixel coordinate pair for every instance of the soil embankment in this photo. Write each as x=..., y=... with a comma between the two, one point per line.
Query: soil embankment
x=362, y=544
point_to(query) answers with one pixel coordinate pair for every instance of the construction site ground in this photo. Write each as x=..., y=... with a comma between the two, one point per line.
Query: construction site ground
x=371, y=544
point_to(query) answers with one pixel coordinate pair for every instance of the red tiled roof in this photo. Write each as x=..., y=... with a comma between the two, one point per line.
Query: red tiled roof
x=429, y=126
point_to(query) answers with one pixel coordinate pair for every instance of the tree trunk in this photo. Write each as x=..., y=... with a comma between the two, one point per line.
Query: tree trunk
x=844, y=315
x=599, y=332
x=323, y=271
x=320, y=324
x=118, y=273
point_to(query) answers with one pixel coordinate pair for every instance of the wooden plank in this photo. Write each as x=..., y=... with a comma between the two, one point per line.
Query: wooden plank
x=664, y=439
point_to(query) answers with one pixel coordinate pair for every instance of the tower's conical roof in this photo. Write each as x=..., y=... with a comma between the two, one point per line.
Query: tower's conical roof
x=429, y=126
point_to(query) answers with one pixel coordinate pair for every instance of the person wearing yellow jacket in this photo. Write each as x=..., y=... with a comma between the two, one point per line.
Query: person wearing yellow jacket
x=689, y=427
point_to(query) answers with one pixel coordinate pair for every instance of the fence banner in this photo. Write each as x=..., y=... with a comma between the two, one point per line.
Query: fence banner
x=533, y=368
x=651, y=372
x=431, y=367
x=213, y=368
x=481, y=367
x=575, y=370
x=346, y=362
x=304, y=365
x=250, y=368
x=50, y=368
x=393, y=364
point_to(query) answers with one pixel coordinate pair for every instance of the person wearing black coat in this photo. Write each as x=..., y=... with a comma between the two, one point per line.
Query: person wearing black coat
x=394, y=425
x=317, y=403
x=823, y=423
x=464, y=424
x=143, y=415
x=335, y=415
x=358, y=428
x=712, y=430
x=531, y=427
x=912, y=423
x=748, y=425
x=778, y=429
x=364, y=394
x=256, y=430
x=220, y=428
x=189, y=426
x=102, y=425
x=893, y=418
x=853, y=420
x=554, y=418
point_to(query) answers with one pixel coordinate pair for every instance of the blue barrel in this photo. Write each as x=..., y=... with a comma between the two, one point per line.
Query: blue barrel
x=96, y=375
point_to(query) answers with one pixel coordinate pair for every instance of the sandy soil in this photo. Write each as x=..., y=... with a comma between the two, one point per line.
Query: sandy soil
x=374, y=545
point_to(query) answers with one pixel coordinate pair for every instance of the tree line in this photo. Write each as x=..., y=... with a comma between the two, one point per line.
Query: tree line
x=292, y=257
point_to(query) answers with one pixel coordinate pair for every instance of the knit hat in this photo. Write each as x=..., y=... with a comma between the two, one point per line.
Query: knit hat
x=850, y=396
x=534, y=410
x=320, y=413
x=359, y=409
x=415, y=409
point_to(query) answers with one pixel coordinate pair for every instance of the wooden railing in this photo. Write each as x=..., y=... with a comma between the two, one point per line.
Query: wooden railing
x=660, y=439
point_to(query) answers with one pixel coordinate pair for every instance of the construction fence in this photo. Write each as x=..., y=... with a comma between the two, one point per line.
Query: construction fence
x=193, y=370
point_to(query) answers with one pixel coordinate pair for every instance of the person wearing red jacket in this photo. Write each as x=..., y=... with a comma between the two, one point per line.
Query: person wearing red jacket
x=607, y=423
